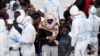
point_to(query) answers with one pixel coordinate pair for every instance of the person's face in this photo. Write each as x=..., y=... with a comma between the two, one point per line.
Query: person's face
x=2, y=12
x=14, y=8
x=16, y=15
x=50, y=21
x=31, y=10
x=62, y=22
x=64, y=31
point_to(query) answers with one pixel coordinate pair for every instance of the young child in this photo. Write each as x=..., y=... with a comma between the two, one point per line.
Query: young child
x=64, y=48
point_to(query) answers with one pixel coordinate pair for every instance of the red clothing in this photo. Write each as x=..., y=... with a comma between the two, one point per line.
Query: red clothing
x=5, y=17
x=86, y=8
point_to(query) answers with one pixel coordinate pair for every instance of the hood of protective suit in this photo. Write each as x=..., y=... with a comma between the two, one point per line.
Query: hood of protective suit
x=27, y=19
x=74, y=12
x=92, y=11
x=21, y=17
x=11, y=4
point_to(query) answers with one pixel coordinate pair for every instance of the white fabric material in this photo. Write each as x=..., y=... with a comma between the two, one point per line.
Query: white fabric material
x=27, y=19
x=79, y=32
x=94, y=24
x=10, y=11
x=74, y=11
x=21, y=17
x=9, y=21
x=27, y=39
x=13, y=34
x=3, y=39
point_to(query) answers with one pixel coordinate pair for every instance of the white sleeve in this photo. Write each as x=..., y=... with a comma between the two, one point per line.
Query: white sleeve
x=28, y=36
x=74, y=32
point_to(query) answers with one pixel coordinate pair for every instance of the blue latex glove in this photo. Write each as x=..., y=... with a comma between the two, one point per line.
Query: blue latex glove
x=16, y=39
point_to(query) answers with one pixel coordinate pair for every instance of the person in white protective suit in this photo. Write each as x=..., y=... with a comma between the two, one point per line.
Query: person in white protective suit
x=28, y=37
x=21, y=17
x=79, y=31
x=94, y=24
x=13, y=7
x=13, y=36
x=4, y=50
x=52, y=6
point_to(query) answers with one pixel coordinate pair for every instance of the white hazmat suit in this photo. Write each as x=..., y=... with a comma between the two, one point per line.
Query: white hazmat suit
x=79, y=31
x=94, y=24
x=28, y=37
x=13, y=35
x=3, y=39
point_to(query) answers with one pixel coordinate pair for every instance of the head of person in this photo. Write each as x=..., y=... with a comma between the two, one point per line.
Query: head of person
x=16, y=14
x=31, y=10
x=41, y=12
x=49, y=18
x=92, y=10
x=74, y=12
x=65, y=30
x=62, y=21
x=24, y=20
x=67, y=16
x=14, y=5
x=21, y=17
x=36, y=19
x=9, y=24
x=80, y=4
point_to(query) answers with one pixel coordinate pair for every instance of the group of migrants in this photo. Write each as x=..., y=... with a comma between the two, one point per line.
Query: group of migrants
x=25, y=31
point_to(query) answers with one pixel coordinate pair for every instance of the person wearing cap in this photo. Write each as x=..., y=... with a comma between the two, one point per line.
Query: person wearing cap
x=28, y=37
x=79, y=31
x=94, y=25
x=47, y=35
x=13, y=36
x=12, y=9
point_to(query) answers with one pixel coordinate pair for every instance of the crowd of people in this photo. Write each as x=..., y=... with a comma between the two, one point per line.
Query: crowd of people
x=26, y=31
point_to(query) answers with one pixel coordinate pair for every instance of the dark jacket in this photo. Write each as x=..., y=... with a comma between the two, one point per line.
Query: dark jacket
x=42, y=34
x=64, y=49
